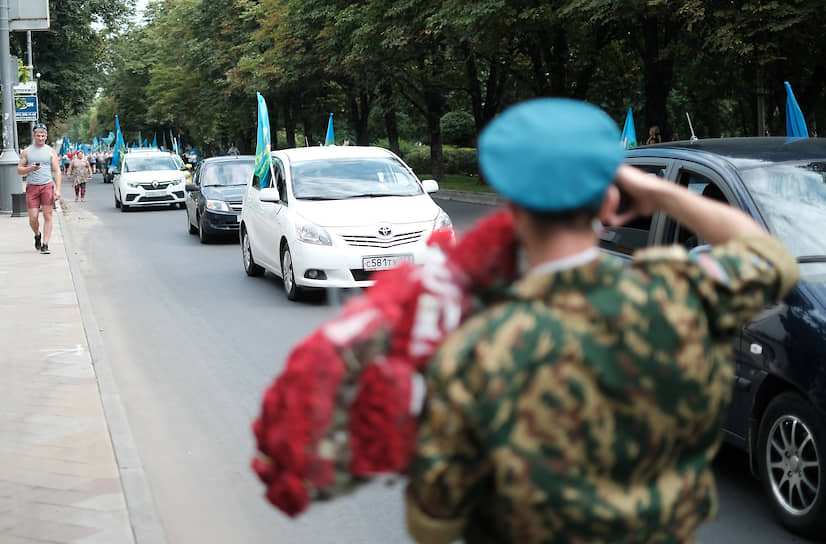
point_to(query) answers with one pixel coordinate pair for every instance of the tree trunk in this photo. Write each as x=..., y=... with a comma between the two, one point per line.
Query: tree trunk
x=359, y=111
x=658, y=74
x=434, y=103
x=289, y=124
x=392, y=127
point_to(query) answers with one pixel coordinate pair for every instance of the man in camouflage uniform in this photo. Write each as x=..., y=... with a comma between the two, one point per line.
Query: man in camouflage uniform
x=587, y=405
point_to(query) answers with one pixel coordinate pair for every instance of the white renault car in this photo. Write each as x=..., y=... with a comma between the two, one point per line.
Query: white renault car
x=325, y=217
x=150, y=178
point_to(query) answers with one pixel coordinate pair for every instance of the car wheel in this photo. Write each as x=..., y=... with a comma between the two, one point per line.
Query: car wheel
x=190, y=226
x=123, y=207
x=288, y=276
x=203, y=236
x=250, y=267
x=792, y=463
x=117, y=202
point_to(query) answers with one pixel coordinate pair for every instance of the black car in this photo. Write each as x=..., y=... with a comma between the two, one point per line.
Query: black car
x=215, y=195
x=778, y=411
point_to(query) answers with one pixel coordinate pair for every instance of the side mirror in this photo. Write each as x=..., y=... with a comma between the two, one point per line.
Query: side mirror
x=430, y=185
x=270, y=194
x=191, y=187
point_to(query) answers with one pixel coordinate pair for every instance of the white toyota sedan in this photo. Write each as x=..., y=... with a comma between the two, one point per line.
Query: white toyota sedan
x=150, y=178
x=325, y=217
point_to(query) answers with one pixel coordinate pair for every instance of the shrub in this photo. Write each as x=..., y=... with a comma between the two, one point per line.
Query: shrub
x=461, y=160
x=458, y=128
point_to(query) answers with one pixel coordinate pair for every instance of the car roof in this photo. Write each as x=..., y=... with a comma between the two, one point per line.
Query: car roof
x=228, y=158
x=741, y=152
x=334, y=152
x=147, y=152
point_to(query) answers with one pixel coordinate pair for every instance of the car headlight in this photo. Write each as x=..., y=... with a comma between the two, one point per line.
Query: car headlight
x=217, y=205
x=442, y=221
x=312, y=233
x=132, y=184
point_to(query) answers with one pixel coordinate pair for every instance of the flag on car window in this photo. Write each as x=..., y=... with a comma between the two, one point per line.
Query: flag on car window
x=629, y=132
x=262, y=146
x=331, y=137
x=795, y=122
x=120, y=146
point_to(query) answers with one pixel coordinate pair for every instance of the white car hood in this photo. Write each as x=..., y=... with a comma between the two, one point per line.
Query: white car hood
x=368, y=211
x=151, y=175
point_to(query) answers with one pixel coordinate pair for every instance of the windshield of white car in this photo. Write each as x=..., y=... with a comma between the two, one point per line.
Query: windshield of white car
x=792, y=200
x=226, y=173
x=149, y=164
x=337, y=179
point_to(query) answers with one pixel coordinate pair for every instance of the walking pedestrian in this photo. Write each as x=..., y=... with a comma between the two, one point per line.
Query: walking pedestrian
x=79, y=173
x=41, y=166
x=586, y=404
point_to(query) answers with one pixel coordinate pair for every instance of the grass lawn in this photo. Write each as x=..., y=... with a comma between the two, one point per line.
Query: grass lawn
x=455, y=182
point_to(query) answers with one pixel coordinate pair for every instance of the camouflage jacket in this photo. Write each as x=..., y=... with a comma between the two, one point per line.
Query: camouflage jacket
x=587, y=406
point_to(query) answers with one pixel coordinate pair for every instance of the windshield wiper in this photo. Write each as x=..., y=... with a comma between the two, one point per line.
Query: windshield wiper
x=371, y=195
x=812, y=259
x=318, y=198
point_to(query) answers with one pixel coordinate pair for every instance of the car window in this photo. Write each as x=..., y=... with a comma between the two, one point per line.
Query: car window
x=334, y=179
x=634, y=235
x=148, y=164
x=702, y=185
x=280, y=182
x=226, y=173
x=792, y=201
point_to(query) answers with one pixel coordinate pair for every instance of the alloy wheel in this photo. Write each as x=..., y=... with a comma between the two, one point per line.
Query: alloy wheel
x=793, y=465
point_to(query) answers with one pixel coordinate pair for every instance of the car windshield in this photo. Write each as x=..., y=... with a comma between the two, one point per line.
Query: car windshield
x=335, y=179
x=792, y=200
x=149, y=163
x=227, y=173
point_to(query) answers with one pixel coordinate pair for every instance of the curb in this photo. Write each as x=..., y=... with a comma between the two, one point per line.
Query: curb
x=140, y=507
x=467, y=196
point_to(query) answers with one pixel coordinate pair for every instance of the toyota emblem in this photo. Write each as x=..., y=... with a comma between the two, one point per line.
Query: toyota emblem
x=155, y=184
x=385, y=231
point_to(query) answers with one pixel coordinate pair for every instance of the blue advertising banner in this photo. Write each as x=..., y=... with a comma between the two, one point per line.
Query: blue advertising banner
x=25, y=108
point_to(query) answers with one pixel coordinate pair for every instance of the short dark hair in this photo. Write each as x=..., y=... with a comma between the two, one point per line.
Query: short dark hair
x=579, y=218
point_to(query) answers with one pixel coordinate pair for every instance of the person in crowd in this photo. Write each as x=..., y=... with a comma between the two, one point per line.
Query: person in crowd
x=232, y=151
x=93, y=160
x=79, y=172
x=585, y=404
x=654, y=136
x=41, y=166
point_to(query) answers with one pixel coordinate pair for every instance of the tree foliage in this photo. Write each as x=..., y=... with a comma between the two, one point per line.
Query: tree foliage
x=386, y=68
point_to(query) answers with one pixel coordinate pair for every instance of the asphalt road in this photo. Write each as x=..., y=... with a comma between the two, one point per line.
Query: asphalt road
x=192, y=342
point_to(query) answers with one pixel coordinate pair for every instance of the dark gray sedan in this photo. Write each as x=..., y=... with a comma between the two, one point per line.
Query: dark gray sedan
x=214, y=197
x=778, y=411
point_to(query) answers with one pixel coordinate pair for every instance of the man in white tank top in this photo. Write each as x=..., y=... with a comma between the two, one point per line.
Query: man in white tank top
x=41, y=166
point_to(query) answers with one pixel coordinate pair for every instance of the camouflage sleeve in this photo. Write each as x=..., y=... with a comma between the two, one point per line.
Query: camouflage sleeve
x=450, y=466
x=733, y=282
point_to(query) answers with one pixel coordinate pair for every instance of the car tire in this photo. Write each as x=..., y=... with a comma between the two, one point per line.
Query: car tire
x=791, y=456
x=203, y=236
x=117, y=202
x=292, y=290
x=190, y=226
x=182, y=205
x=250, y=267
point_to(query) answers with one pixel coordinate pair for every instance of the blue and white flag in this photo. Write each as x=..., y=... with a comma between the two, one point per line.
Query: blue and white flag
x=262, y=144
x=331, y=136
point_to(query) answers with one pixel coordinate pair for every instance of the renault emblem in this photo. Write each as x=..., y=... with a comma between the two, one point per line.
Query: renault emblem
x=385, y=231
x=155, y=184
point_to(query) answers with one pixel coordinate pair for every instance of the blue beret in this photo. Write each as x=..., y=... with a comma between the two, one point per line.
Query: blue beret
x=551, y=154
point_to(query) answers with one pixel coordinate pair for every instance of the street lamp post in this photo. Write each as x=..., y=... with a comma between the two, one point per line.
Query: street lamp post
x=10, y=180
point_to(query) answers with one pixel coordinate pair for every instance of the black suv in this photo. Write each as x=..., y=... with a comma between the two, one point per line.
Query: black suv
x=778, y=412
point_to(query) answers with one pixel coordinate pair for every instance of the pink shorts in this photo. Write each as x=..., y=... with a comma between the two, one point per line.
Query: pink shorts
x=39, y=195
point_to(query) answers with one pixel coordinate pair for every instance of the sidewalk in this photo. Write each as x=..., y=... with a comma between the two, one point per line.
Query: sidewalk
x=59, y=479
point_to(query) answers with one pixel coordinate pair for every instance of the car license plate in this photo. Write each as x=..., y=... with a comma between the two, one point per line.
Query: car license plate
x=156, y=193
x=384, y=262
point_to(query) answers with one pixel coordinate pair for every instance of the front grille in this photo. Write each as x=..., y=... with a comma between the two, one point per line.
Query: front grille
x=150, y=187
x=361, y=274
x=235, y=206
x=383, y=243
x=161, y=198
x=179, y=194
